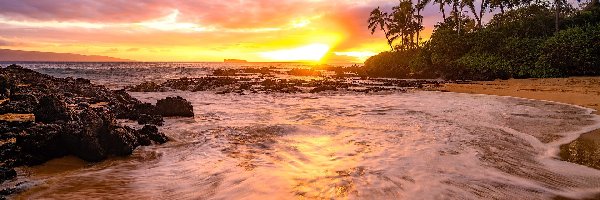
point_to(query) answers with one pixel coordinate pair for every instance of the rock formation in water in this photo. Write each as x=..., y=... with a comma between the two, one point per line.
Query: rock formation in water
x=175, y=106
x=43, y=117
x=264, y=80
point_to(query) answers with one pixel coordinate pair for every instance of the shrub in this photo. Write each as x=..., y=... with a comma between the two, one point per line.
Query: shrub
x=390, y=64
x=572, y=52
x=484, y=67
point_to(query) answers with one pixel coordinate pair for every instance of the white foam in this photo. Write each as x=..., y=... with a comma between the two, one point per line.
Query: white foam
x=421, y=145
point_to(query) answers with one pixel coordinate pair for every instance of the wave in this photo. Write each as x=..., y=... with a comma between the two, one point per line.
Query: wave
x=416, y=145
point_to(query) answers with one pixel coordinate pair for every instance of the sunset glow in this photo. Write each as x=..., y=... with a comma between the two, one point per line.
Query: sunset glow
x=263, y=31
x=313, y=52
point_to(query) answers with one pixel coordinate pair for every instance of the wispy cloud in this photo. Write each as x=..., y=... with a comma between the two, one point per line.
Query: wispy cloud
x=196, y=30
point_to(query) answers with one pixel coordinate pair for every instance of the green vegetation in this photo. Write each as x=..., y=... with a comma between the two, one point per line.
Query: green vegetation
x=524, y=39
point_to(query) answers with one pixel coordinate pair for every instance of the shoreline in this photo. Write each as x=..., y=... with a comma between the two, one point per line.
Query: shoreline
x=184, y=84
x=43, y=118
x=579, y=91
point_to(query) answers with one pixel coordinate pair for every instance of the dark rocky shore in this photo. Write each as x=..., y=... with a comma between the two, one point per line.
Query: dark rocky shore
x=43, y=117
x=265, y=80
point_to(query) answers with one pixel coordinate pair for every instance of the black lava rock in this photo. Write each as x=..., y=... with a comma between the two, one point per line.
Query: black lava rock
x=43, y=142
x=72, y=117
x=7, y=174
x=150, y=119
x=150, y=134
x=52, y=109
x=175, y=106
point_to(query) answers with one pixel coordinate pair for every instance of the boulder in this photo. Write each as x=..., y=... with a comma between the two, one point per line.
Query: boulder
x=82, y=137
x=119, y=141
x=175, y=106
x=5, y=86
x=83, y=81
x=43, y=142
x=10, y=155
x=97, y=136
x=150, y=119
x=144, y=109
x=149, y=134
x=7, y=174
x=13, y=66
x=19, y=103
x=52, y=109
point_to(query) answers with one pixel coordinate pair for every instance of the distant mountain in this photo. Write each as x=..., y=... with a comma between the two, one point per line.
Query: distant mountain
x=20, y=56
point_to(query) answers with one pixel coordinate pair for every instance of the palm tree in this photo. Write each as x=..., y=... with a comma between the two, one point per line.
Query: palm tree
x=471, y=5
x=457, y=8
x=420, y=6
x=483, y=6
x=442, y=3
x=498, y=4
x=403, y=25
x=378, y=19
x=478, y=15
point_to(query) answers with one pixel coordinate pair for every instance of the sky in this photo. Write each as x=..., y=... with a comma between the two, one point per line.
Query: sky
x=332, y=31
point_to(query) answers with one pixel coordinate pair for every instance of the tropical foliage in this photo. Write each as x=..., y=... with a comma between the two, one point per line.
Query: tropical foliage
x=523, y=39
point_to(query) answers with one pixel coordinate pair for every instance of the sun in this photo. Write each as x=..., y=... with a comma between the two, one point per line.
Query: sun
x=312, y=52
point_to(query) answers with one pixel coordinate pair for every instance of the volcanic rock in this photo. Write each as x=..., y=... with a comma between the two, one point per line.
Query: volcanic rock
x=52, y=109
x=175, y=107
x=149, y=134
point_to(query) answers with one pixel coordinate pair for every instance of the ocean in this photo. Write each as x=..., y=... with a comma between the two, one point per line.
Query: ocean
x=337, y=145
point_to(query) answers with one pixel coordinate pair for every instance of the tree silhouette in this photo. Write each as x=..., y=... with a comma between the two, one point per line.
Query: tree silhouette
x=401, y=24
x=378, y=19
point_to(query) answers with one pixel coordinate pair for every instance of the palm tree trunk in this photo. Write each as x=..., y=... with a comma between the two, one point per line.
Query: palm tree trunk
x=388, y=39
x=477, y=18
x=443, y=11
x=557, y=14
x=456, y=17
x=481, y=12
x=420, y=22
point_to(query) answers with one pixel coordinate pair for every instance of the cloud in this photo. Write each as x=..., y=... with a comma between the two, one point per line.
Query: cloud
x=5, y=43
x=229, y=14
x=12, y=42
x=112, y=50
x=83, y=10
x=209, y=28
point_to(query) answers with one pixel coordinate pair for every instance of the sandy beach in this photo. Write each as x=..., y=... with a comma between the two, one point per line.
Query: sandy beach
x=582, y=91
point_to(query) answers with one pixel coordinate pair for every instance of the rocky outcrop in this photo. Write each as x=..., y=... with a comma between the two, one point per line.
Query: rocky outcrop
x=265, y=80
x=72, y=117
x=51, y=109
x=175, y=106
x=150, y=119
x=150, y=134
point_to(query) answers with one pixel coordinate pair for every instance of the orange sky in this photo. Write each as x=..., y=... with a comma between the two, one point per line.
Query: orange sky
x=186, y=30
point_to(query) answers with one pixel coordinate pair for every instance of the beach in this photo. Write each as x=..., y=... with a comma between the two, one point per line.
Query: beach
x=280, y=131
x=581, y=91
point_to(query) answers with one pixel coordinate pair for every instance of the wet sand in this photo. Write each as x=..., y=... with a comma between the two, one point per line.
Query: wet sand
x=582, y=91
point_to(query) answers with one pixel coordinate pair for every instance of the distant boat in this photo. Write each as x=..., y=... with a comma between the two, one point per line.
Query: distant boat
x=235, y=61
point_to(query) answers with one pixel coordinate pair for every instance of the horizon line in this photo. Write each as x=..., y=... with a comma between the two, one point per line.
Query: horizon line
x=282, y=62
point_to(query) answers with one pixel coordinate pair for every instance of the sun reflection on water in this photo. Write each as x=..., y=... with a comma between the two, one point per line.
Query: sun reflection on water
x=316, y=166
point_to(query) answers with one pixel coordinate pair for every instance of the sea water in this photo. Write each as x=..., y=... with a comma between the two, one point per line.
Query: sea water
x=337, y=145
